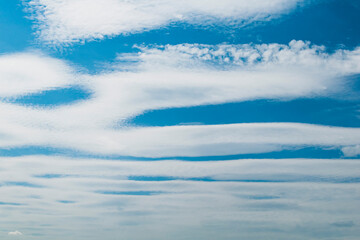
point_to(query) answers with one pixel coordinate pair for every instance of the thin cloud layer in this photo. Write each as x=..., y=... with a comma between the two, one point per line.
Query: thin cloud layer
x=68, y=21
x=92, y=198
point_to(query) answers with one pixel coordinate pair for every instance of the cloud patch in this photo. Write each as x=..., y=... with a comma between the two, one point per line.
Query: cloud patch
x=15, y=233
x=31, y=72
x=351, y=151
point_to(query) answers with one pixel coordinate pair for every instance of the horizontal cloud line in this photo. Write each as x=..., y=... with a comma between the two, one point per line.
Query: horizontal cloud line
x=67, y=21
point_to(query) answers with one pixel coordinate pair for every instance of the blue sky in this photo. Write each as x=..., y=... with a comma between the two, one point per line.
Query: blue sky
x=185, y=120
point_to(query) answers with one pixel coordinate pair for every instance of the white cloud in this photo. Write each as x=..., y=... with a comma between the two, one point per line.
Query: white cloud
x=15, y=233
x=186, y=140
x=25, y=73
x=178, y=76
x=351, y=151
x=67, y=21
x=248, y=56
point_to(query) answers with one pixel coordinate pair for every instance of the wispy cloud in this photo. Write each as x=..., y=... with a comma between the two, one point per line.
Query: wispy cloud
x=67, y=21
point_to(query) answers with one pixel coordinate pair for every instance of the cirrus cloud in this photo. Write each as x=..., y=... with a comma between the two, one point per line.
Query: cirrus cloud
x=68, y=21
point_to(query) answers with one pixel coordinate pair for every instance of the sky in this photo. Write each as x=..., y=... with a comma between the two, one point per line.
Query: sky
x=181, y=120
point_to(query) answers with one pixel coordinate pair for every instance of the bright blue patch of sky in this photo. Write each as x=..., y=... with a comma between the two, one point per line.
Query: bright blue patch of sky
x=22, y=184
x=51, y=98
x=344, y=113
x=30, y=150
x=10, y=204
x=52, y=176
x=15, y=29
x=304, y=152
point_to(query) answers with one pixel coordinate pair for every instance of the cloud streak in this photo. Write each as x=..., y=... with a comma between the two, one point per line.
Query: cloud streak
x=69, y=21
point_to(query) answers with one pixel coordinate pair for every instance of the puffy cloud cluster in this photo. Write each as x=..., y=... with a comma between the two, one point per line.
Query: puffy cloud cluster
x=249, y=56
